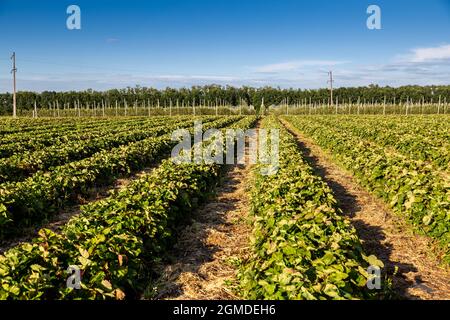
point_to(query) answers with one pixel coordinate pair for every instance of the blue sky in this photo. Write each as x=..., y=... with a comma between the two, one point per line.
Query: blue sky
x=176, y=43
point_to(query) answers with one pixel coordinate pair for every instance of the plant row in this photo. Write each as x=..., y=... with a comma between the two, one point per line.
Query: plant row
x=34, y=200
x=27, y=142
x=83, y=125
x=29, y=125
x=411, y=143
x=23, y=127
x=112, y=241
x=302, y=245
x=22, y=165
x=412, y=188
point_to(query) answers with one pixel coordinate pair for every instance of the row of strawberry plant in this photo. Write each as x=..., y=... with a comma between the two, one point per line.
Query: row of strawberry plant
x=431, y=126
x=430, y=149
x=28, y=125
x=412, y=188
x=27, y=142
x=302, y=245
x=8, y=125
x=37, y=198
x=79, y=127
x=20, y=166
x=113, y=241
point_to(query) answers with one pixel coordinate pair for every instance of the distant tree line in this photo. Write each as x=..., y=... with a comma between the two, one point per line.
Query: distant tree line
x=211, y=95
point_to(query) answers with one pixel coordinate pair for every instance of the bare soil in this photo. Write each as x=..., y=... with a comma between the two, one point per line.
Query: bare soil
x=419, y=275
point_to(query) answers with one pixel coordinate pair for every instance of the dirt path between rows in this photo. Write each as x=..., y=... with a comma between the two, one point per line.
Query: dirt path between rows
x=384, y=234
x=202, y=264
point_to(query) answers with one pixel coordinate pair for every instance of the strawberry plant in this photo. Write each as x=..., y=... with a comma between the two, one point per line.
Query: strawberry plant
x=412, y=188
x=39, y=197
x=303, y=247
x=113, y=241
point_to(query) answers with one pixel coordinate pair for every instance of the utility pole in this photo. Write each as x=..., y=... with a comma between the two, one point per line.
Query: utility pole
x=331, y=87
x=13, y=71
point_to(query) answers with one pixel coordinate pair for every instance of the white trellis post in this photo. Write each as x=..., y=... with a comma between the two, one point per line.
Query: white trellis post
x=262, y=108
x=422, y=107
x=217, y=108
x=337, y=104
x=359, y=104
x=439, y=105
x=287, y=106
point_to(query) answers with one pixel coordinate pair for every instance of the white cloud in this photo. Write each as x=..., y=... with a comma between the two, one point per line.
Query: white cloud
x=294, y=65
x=430, y=54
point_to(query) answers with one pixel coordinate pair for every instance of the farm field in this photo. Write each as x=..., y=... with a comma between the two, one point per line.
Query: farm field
x=350, y=193
x=405, y=165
